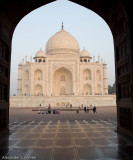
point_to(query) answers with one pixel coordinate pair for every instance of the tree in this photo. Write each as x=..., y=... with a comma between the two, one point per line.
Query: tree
x=112, y=89
x=109, y=89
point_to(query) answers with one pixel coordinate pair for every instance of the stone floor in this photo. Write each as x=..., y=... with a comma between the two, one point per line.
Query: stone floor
x=65, y=139
x=27, y=114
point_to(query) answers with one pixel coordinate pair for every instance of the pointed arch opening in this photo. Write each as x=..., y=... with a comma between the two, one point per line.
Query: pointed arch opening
x=98, y=75
x=38, y=75
x=26, y=90
x=99, y=89
x=86, y=74
x=38, y=90
x=87, y=89
x=62, y=82
x=26, y=75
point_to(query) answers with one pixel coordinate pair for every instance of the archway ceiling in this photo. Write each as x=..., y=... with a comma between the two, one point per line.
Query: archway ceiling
x=13, y=11
x=16, y=10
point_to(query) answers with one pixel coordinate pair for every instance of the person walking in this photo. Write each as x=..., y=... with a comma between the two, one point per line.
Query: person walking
x=85, y=109
x=94, y=109
x=77, y=111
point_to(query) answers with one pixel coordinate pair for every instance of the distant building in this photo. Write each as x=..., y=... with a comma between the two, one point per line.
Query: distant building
x=62, y=71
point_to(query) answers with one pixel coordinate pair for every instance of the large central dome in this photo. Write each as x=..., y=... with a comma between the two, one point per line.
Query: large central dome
x=62, y=42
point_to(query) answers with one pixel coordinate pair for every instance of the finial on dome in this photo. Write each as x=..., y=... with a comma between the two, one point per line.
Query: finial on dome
x=62, y=26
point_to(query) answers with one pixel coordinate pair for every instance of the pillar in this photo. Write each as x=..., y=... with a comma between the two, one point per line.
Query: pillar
x=19, y=88
x=105, y=79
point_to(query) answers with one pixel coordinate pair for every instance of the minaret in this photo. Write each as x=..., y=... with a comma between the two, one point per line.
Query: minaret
x=105, y=79
x=25, y=59
x=30, y=59
x=98, y=59
x=93, y=58
x=19, y=88
x=101, y=61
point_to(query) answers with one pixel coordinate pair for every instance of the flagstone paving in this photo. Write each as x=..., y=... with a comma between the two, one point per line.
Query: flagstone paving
x=65, y=138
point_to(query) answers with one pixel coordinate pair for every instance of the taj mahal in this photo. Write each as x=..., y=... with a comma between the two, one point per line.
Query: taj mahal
x=62, y=75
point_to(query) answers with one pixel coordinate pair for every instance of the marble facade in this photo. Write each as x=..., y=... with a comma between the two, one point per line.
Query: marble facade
x=62, y=75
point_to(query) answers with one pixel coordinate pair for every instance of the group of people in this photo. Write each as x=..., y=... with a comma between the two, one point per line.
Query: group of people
x=49, y=110
x=86, y=109
x=70, y=106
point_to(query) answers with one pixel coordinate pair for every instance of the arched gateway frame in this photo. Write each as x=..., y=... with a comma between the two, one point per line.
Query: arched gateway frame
x=117, y=14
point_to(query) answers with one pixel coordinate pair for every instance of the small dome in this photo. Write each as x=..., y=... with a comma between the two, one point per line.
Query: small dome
x=104, y=63
x=84, y=53
x=40, y=53
x=62, y=40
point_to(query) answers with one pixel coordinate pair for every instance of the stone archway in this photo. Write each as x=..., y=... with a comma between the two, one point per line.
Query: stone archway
x=38, y=90
x=62, y=82
x=117, y=14
x=26, y=75
x=26, y=90
x=86, y=74
x=98, y=89
x=87, y=89
x=98, y=75
x=38, y=75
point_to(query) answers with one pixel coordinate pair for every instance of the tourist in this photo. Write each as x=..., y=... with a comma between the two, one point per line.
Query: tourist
x=57, y=111
x=87, y=108
x=53, y=111
x=46, y=110
x=39, y=111
x=49, y=110
x=94, y=109
x=43, y=112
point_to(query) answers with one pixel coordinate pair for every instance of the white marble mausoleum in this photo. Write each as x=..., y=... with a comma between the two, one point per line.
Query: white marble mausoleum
x=62, y=74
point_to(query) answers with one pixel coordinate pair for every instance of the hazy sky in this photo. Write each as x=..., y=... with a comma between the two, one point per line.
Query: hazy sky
x=34, y=30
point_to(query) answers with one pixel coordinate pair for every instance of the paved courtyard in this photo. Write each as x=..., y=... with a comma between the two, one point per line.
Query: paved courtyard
x=103, y=113
x=67, y=136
